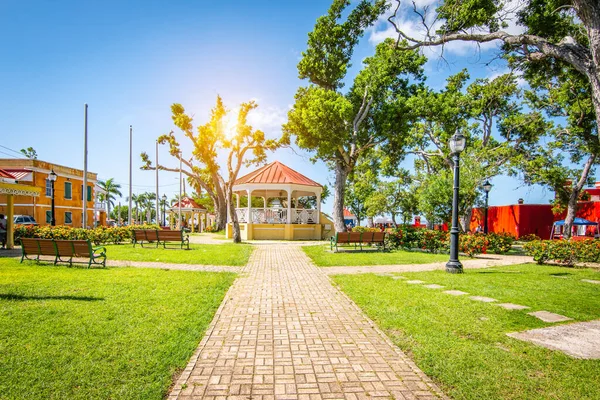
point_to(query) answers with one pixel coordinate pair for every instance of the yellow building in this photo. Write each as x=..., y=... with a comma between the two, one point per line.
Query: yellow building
x=68, y=189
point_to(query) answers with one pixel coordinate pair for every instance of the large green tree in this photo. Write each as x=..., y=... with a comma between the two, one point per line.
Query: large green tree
x=240, y=143
x=558, y=35
x=489, y=112
x=339, y=127
x=567, y=160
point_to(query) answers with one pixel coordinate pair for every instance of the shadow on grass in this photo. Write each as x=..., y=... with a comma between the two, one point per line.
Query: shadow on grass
x=498, y=272
x=561, y=274
x=19, y=297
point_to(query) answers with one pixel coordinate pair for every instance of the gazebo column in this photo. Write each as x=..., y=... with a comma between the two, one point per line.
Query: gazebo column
x=318, y=208
x=249, y=206
x=193, y=221
x=289, y=207
x=237, y=200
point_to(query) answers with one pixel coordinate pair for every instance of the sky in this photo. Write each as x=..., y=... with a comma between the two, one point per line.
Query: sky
x=130, y=60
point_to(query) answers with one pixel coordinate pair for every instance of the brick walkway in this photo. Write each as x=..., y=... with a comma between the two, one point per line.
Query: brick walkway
x=284, y=332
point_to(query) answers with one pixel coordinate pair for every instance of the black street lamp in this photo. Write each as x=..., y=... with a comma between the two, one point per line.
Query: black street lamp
x=487, y=186
x=164, y=202
x=52, y=178
x=457, y=145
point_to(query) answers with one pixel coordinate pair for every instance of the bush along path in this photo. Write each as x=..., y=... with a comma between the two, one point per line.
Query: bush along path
x=283, y=330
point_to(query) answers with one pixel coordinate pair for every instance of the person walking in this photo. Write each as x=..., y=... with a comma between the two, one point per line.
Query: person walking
x=3, y=227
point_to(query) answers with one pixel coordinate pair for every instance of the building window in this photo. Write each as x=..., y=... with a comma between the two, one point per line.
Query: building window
x=89, y=193
x=48, y=217
x=68, y=217
x=48, y=188
x=68, y=191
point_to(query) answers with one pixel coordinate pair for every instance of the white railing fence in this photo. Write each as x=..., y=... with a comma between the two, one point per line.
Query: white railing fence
x=275, y=215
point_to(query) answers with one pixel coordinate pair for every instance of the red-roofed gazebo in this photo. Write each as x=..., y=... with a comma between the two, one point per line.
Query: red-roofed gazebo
x=282, y=215
x=189, y=211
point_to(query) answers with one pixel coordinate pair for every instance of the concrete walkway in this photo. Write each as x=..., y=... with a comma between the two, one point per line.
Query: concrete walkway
x=284, y=332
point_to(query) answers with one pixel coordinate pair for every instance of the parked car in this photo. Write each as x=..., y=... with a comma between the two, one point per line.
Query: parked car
x=24, y=220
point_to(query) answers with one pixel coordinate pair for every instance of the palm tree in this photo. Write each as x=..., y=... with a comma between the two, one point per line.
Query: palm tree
x=110, y=189
x=136, y=200
x=147, y=203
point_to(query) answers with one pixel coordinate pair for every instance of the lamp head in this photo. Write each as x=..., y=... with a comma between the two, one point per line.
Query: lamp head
x=487, y=186
x=52, y=176
x=457, y=143
x=164, y=197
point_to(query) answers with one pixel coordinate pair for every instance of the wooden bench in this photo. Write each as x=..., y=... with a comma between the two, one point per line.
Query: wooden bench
x=63, y=250
x=359, y=238
x=173, y=236
x=148, y=235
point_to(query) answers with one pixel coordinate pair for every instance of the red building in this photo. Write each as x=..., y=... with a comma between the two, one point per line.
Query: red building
x=525, y=219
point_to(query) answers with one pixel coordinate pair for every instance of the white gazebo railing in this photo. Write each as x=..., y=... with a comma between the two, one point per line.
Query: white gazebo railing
x=303, y=216
x=277, y=215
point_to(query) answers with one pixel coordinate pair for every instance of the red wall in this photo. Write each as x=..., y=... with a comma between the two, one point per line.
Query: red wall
x=518, y=219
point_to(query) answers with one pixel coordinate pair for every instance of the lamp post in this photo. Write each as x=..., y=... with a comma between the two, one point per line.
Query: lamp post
x=457, y=145
x=487, y=186
x=52, y=177
x=164, y=202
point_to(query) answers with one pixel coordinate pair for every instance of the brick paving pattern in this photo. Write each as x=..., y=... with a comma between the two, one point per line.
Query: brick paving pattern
x=284, y=332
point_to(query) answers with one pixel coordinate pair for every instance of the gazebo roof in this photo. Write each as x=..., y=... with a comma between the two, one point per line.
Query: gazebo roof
x=188, y=204
x=276, y=173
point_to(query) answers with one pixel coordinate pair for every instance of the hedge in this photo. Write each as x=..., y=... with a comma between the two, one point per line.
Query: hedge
x=97, y=235
x=566, y=252
x=435, y=241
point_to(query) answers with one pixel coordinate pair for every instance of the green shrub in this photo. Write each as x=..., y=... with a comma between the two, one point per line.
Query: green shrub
x=408, y=237
x=365, y=229
x=566, y=252
x=529, y=238
x=500, y=243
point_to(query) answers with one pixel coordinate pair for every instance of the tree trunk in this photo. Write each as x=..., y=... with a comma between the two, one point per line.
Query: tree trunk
x=220, y=214
x=571, y=213
x=369, y=222
x=575, y=191
x=338, y=197
x=235, y=225
x=465, y=220
x=394, y=220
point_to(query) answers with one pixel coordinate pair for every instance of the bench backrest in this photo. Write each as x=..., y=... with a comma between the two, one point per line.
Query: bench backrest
x=30, y=245
x=341, y=237
x=139, y=234
x=65, y=248
x=378, y=237
x=151, y=234
x=354, y=237
x=47, y=247
x=81, y=248
x=170, y=235
x=367, y=237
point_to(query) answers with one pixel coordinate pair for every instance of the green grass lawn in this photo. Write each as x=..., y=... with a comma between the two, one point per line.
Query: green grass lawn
x=73, y=333
x=462, y=344
x=322, y=257
x=206, y=254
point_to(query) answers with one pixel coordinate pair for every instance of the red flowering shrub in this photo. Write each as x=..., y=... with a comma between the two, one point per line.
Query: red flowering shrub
x=473, y=243
x=97, y=235
x=566, y=252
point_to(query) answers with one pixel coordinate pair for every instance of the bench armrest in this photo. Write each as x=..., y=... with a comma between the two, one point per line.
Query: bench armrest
x=95, y=249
